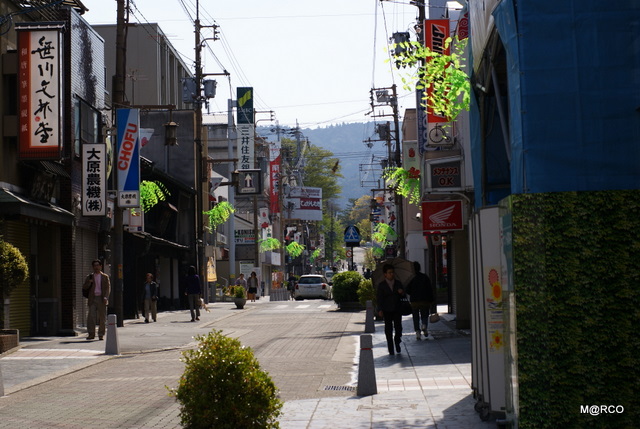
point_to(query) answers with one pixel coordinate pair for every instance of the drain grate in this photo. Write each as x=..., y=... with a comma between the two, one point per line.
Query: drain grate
x=349, y=388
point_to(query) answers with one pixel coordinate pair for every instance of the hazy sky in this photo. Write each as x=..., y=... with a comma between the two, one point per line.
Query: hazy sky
x=310, y=61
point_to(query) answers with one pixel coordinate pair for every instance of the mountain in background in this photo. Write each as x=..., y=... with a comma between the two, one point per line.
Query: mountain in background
x=359, y=164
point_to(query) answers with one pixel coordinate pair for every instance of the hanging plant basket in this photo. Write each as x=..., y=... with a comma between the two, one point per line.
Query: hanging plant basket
x=406, y=182
x=219, y=214
x=151, y=193
x=295, y=249
x=269, y=244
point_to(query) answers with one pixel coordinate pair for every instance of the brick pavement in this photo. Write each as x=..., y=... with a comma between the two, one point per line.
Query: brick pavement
x=426, y=386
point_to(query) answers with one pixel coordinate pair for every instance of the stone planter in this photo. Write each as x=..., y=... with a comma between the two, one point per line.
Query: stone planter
x=9, y=338
x=350, y=306
x=240, y=302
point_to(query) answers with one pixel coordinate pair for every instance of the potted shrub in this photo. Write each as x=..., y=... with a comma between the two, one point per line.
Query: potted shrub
x=223, y=386
x=366, y=292
x=14, y=270
x=345, y=290
x=239, y=296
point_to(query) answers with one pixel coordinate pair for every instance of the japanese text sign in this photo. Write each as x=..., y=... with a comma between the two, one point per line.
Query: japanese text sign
x=94, y=179
x=40, y=100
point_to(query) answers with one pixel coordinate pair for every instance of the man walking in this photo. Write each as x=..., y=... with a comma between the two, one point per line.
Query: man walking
x=99, y=287
x=421, y=295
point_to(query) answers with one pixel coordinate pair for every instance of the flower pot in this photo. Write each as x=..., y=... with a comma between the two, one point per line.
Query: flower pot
x=240, y=302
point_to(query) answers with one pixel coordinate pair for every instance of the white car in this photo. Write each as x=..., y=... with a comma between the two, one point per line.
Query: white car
x=312, y=286
x=329, y=275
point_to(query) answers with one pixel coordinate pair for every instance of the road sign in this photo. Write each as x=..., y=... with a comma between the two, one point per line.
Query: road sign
x=352, y=236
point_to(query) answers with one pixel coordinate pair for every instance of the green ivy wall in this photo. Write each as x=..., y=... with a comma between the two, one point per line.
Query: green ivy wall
x=577, y=293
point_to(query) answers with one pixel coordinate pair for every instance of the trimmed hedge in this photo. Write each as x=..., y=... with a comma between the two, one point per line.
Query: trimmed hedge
x=345, y=286
x=577, y=287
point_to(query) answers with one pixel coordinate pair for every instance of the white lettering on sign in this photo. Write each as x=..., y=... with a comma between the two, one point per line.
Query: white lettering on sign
x=128, y=145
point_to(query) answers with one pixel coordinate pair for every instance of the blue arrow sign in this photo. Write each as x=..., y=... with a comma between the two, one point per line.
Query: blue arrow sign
x=351, y=234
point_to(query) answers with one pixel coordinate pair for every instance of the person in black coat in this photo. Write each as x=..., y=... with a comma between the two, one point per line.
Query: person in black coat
x=389, y=292
x=421, y=295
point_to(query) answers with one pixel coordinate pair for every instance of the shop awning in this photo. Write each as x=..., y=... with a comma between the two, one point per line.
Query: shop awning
x=13, y=204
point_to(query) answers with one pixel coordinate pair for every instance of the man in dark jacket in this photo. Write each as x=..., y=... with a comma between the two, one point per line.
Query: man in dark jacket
x=421, y=296
x=388, y=295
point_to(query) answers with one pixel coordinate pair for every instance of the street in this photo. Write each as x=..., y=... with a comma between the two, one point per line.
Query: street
x=307, y=346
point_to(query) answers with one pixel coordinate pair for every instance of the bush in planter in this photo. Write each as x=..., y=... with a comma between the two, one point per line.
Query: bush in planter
x=14, y=270
x=366, y=292
x=345, y=286
x=223, y=387
x=238, y=292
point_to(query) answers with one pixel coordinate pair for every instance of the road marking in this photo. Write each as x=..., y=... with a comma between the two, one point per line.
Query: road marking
x=303, y=306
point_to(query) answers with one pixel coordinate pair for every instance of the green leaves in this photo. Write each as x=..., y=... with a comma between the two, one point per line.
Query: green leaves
x=442, y=77
x=151, y=193
x=269, y=244
x=224, y=387
x=295, y=249
x=577, y=287
x=405, y=182
x=14, y=269
x=219, y=214
x=384, y=234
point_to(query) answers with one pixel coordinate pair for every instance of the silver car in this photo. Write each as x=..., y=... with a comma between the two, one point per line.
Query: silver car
x=312, y=286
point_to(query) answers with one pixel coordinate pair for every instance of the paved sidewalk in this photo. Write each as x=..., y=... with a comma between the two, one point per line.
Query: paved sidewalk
x=427, y=385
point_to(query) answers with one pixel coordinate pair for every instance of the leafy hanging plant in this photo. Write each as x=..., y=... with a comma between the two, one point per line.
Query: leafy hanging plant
x=151, y=193
x=442, y=77
x=219, y=214
x=295, y=249
x=268, y=244
x=406, y=182
x=384, y=234
x=315, y=254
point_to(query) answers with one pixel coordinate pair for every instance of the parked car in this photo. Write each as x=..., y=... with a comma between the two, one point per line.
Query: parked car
x=329, y=275
x=312, y=286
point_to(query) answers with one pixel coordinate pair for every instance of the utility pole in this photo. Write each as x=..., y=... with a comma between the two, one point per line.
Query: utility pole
x=201, y=160
x=118, y=102
x=395, y=157
x=202, y=172
x=398, y=163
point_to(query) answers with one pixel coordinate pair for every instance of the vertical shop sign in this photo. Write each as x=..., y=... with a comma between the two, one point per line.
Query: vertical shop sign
x=94, y=179
x=246, y=152
x=128, y=157
x=39, y=92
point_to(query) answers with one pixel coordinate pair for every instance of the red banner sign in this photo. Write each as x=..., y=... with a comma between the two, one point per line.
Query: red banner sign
x=436, y=33
x=439, y=216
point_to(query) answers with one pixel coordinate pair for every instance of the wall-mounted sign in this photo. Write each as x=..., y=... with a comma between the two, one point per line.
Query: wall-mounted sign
x=436, y=31
x=245, y=105
x=246, y=146
x=94, y=179
x=40, y=97
x=445, y=174
x=304, y=203
x=440, y=216
x=128, y=157
x=249, y=182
